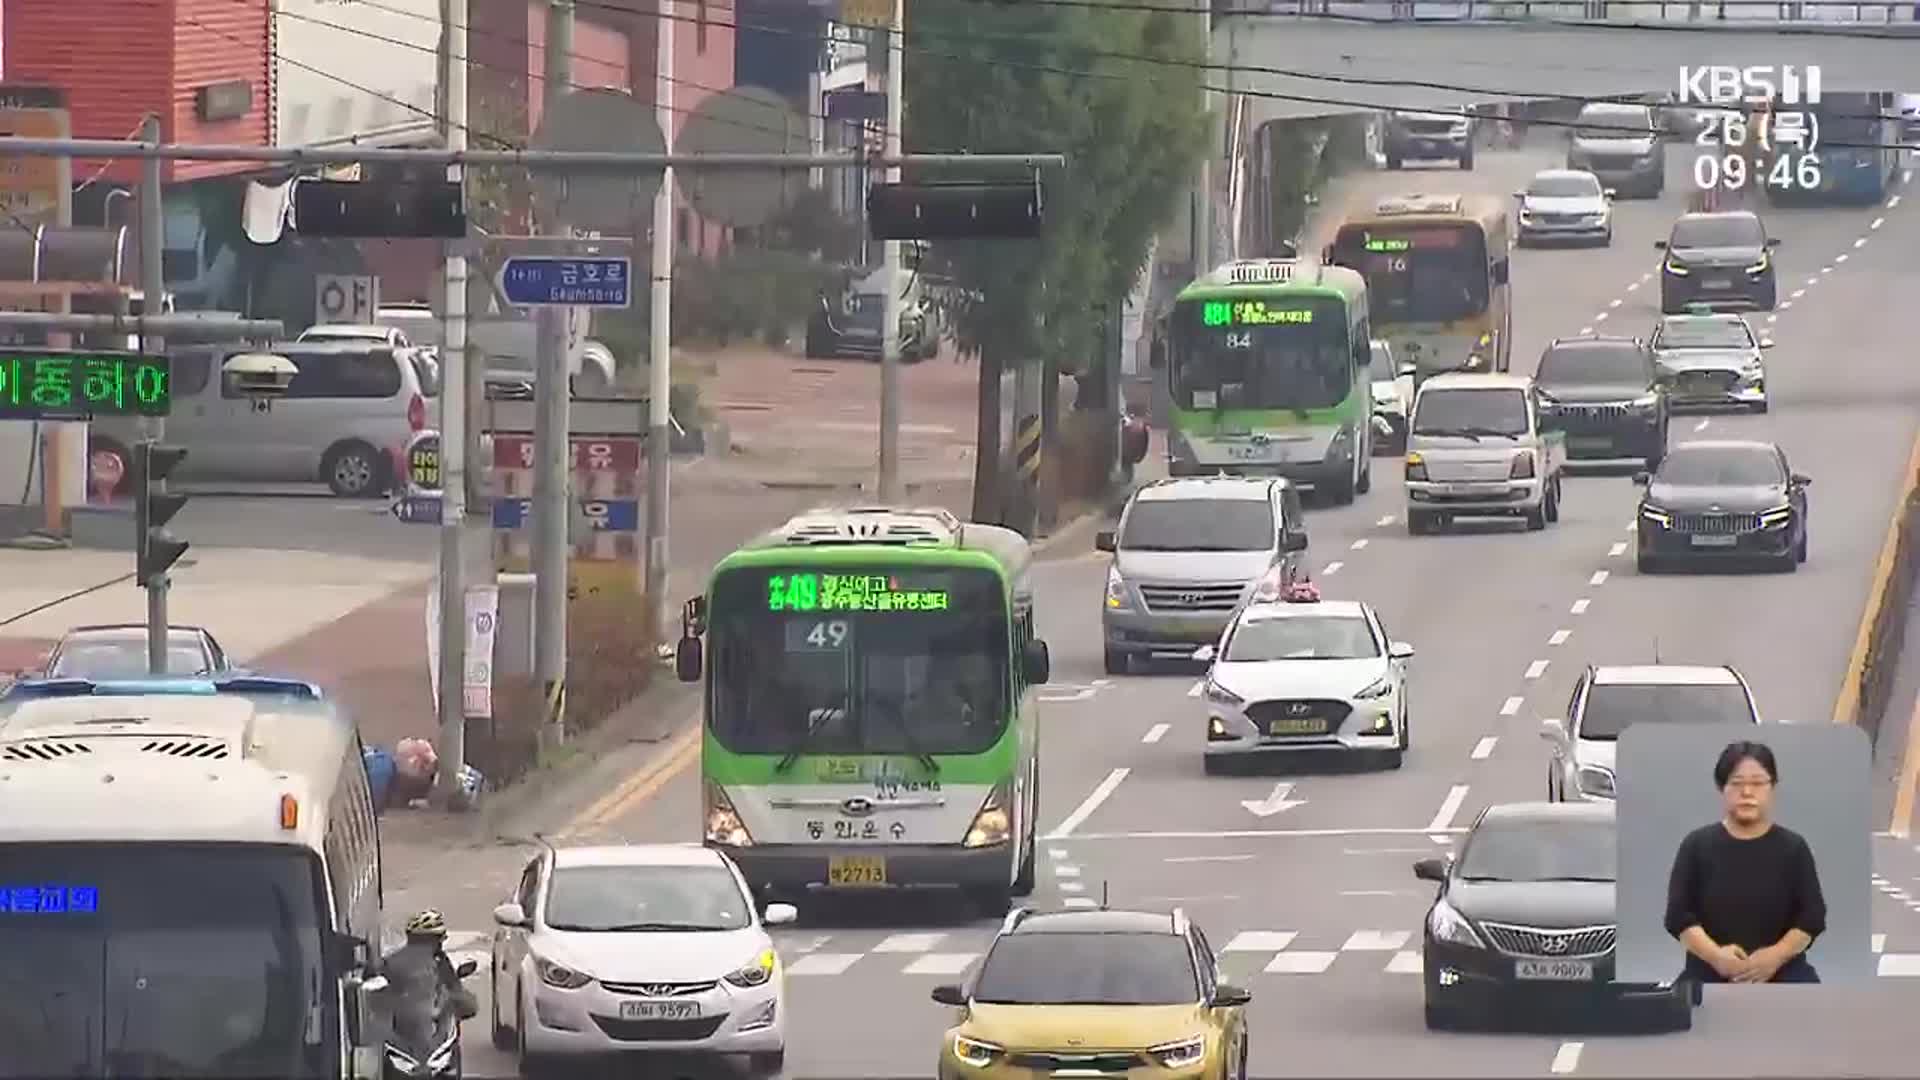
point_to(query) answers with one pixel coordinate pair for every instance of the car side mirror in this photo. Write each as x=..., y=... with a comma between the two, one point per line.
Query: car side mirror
x=1406, y=369
x=1610, y=193
x=1104, y=540
x=1553, y=731
x=1642, y=478
x=1519, y=194
x=1660, y=245
x=1326, y=254
x=466, y=968
x=1766, y=343
x=689, y=659
x=1773, y=241
x=950, y=994
x=1228, y=996
x=1293, y=541
x=1400, y=650
x=780, y=915
x=1430, y=870
x=1801, y=481
x=1204, y=654
x=510, y=915
x=1036, y=662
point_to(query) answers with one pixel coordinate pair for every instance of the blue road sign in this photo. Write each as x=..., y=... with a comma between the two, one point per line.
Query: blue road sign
x=418, y=509
x=606, y=515
x=568, y=280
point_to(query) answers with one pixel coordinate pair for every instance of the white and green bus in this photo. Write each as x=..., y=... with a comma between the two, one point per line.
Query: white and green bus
x=869, y=714
x=1267, y=371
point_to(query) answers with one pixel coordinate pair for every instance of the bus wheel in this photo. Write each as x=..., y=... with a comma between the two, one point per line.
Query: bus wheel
x=1023, y=882
x=991, y=901
x=1366, y=474
x=1339, y=491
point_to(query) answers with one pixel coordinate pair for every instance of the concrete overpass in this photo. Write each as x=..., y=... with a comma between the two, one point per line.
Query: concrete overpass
x=1317, y=58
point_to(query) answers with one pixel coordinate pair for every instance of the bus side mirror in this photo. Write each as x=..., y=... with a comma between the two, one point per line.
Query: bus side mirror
x=1036, y=662
x=688, y=659
x=1326, y=254
x=693, y=615
x=1157, y=354
x=1500, y=272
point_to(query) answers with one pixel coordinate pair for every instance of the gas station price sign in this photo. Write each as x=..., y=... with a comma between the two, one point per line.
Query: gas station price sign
x=807, y=591
x=40, y=384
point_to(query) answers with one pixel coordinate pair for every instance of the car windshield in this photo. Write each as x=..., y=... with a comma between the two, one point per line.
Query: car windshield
x=1275, y=352
x=1199, y=525
x=1603, y=365
x=1303, y=637
x=1704, y=334
x=149, y=960
x=1611, y=708
x=1721, y=466
x=1424, y=274
x=124, y=659
x=1614, y=122
x=1471, y=412
x=859, y=660
x=1734, y=231
x=1380, y=364
x=1564, y=186
x=1088, y=969
x=1540, y=851
x=598, y=899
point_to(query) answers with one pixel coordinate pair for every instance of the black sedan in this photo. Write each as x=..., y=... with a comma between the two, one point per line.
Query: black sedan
x=1723, y=500
x=1523, y=925
x=1722, y=259
x=1604, y=394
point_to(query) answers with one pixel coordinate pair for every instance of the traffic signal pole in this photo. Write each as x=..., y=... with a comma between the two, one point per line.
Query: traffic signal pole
x=153, y=285
x=890, y=301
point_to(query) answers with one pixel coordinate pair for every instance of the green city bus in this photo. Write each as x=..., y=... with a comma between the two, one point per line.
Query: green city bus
x=1267, y=371
x=869, y=715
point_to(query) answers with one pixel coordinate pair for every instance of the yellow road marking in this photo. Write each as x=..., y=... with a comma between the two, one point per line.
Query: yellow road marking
x=642, y=785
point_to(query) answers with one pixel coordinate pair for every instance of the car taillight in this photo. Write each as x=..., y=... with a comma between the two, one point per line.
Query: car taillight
x=417, y=413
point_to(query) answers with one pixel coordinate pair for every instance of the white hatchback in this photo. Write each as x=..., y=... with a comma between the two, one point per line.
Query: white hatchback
x=643, y=947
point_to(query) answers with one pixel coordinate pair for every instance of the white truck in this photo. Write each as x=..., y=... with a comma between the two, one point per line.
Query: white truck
x=1475, y=448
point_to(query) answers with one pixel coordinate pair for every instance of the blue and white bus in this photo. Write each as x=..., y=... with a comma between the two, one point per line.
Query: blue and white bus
x=1858, y=151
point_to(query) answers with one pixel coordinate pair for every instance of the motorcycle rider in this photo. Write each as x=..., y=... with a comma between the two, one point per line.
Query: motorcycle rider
x=420, y=972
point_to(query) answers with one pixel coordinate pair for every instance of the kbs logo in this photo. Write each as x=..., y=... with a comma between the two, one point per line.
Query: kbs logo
x=1725, y=84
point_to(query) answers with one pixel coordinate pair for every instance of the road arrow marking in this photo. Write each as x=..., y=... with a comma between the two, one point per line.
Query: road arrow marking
x=1273, y=803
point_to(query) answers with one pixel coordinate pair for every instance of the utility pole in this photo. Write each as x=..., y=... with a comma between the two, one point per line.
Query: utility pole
x=552, y=444
x=660, y=343
x=1203, y=184
x=454, y=422
x=153, y=283
x=890, y=270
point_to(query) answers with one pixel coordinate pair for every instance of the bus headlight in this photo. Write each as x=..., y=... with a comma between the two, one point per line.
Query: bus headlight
x=723, y=822
x=992, y=824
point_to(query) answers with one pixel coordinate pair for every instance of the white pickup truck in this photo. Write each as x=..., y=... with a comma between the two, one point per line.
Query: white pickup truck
x=1475, y=448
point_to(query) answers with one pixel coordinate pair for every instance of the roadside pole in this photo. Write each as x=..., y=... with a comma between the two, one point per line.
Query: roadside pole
x=552, y=445
x=890, y=269
x=454, y=424
x=660, y=345
x=153, y=284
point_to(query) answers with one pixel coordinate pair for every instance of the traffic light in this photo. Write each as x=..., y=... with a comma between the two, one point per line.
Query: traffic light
x=939, y=211
x=155, y=549
x=434, y=209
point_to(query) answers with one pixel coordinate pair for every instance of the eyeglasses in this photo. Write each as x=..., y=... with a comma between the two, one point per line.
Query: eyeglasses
x=1750, y=785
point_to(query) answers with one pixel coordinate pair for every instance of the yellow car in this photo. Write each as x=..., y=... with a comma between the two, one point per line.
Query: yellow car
x=1118, y=993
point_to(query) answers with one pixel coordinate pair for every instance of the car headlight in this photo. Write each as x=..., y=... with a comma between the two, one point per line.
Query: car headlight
x=974, y=1052
x=443, y=1057
x=1448, y=925
x=1776, y=517
x=1595, y=781
x=755, y=972
x=1416, y=466
x=559, y=976
x=723, y=822
x=1118, y=598
x=1220, y=695
x=1378, y=688
x=991, y=823
x=1179, y=1055
x=1655, y=514
x=1760, y=267
x=400, y=1059
x=1646, y=401
x=1676, y=269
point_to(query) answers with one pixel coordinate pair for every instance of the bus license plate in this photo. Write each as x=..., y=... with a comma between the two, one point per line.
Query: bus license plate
x=1554, y=970
x=659, y=1010
x=856, y=871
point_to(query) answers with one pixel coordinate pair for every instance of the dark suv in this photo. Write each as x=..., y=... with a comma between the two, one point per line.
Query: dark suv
x=1722, y=260
x=1416, y=136
x=1604, y=394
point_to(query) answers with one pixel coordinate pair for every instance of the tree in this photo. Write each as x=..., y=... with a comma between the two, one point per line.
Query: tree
x=993, y=79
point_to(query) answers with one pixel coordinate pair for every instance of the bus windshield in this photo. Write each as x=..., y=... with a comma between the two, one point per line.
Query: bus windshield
x=116, y=966
x=1272, y=352
x=1418, y=273
x=871, y=660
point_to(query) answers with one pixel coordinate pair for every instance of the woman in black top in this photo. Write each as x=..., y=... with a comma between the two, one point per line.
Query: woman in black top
x=1744, y=898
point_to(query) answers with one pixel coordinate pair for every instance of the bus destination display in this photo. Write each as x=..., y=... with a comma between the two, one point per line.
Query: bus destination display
x=48, y=899
x=1417, y=240
x=851, y=592
x=37, y=385
x=1218, y=313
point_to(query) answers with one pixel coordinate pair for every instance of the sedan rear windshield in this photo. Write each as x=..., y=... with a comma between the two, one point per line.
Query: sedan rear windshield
x=1088, y=969
x=1610, y=710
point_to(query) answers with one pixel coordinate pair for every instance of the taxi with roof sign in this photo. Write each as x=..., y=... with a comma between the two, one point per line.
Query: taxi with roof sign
x=1302, y=673
x=1708, y=358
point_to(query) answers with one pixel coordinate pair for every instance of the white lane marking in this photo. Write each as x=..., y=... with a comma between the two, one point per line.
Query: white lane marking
x=1586, y=330
x=1207, y=858
x=942, y=963
x=1618, y=549
x=1633, y=525
x=1614, y=303
x=916, y=943
x=1632, y=285
x=1567, y=1058
x=1332, y=568
x=1511, y=706
x=1879, y=943
x=1066, y=870
x=1537, y=669
x=1070, y=886
x=1197, y=689
x=1813, y=281
x=1600, y=318
x=1773, y=318
x=1444, y=839
x=1894, y=200
x=1858, y=244
x=1376, y=941
x=1056, y=853
x=1406, y=962
x=1826, y=269
x=1449, y=806
x=1085, y=810
x=1877, y=222
x=1702, y=425
x=1375, y=892
x=1156, y=733
x=1384, y=521
x=1599, y=578
x=1483, y=749
x=1786, y=305
x=1360, y=544
x=1899, y=965
x=1579, y=606
x=1648, y=276
x=1260, y=941
x=1559, y=637
x=1386, y=851
x=1798, y=293
x=1301, y=963
x=1079, y=902
x=824, y=963
x=1267, y=834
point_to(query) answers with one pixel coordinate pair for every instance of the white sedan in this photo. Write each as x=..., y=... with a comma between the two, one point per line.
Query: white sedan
x=644, y=947
x=1305, y=674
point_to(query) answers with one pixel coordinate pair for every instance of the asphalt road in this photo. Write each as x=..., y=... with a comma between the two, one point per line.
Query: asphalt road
x=1315, y=907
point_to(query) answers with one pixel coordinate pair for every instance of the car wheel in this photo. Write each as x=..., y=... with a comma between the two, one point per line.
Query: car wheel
x=1607, y=240
x=353, y=470
x=1240, y=1070
x=1760, y=406
x=1645, y=563
x=1394, y=758
x=1440, y=1018
x=1394, y=161
x=767, y=1062
x=1553, y=500
x=1466, y=160
x=1117, y=662
x=531, y=1066
x=1024, y=878
x=1800, y=548
x=991, y=901
x=1215, y=766
x=1406, y=732
x=1365, y=483
x=1340, y=491
x=1537, y=517
x=503, y=1036
x=1788, y=563
x=1553, y=786
x=1419, y=523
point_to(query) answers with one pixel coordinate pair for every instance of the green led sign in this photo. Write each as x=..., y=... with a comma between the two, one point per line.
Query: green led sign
x=850, y=592
x=1388, y=244
x=38, y=385
x=1251, y=313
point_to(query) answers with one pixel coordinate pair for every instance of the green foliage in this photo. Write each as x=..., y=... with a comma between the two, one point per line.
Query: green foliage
x=1014, y=79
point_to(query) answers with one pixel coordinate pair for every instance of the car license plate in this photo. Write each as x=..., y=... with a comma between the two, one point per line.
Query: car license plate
x=856, y=871
x=1554, y=970
x=1717, y=283
x=1589, y=442
x=1715, y=541
x=660, y=1010
x=1308, y=725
